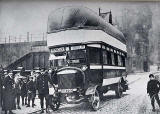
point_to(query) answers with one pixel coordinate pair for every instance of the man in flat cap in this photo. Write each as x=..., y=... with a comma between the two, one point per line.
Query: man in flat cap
x=153, y=88
x=31, y=91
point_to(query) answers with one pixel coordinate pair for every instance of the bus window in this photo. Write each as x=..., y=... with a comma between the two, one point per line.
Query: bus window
x=119, y=60
x=105, y=59
x=113, y=58
x=77, y=56
x=58, y=62
x=58, y=59
x=116, y=59
x=109, y=58
x=123, y=61
x=94, y=55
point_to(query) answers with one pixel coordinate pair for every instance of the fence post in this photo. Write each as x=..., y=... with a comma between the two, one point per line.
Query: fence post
x=27, y=36
x=9, y=39
x=43, y=36
x=5, y=40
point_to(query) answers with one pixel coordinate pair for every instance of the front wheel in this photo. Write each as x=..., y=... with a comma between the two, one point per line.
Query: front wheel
x=54, y=103
x=95, y=101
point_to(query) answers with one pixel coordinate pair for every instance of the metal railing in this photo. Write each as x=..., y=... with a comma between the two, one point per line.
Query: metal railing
x=6, y=38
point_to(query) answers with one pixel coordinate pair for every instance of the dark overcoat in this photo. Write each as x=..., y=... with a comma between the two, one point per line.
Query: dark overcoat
x=0, y=89
x=153, y=87
x=31, y=88
x=9, y=94
x=23, y=89
x=42, y=83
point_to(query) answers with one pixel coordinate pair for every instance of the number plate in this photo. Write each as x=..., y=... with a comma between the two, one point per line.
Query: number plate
x=66, y=90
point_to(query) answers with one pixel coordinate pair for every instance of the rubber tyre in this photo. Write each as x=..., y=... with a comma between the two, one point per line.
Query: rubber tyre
x=54, y=104
x=95, y=101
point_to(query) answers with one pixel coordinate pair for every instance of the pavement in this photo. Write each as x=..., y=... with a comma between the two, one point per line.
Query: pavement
x=131, y=78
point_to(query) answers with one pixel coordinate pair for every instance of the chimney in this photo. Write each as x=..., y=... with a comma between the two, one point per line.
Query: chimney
x=99, y=11
x=103, y=15
x=110, y=18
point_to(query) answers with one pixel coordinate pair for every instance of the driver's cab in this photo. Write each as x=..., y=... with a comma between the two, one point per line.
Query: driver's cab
x=70, y=62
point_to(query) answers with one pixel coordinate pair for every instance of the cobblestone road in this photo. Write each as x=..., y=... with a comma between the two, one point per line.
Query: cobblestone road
x=134, y=101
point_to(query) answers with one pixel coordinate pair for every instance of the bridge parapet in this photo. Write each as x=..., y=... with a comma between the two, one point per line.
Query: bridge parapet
x=11, y=52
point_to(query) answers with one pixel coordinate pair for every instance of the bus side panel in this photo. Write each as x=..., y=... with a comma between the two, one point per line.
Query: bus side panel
x=111, y=78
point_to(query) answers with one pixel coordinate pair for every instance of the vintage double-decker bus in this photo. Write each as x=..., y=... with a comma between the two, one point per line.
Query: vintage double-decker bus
x=88, y=53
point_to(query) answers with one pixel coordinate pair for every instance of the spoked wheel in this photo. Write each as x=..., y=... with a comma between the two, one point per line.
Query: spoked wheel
x=119, y=91
x=54, y=103
x=95, y=101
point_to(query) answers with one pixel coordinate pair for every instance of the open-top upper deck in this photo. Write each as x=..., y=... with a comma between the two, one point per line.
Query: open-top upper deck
x=83, y=36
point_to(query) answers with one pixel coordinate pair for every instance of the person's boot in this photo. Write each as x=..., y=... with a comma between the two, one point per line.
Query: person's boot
x=46, y=110
x=10, y=112
x=42, y=111
x=5, y=112
x=153, y=110
x=26, y=102
x=28, y=105
x=18, y=107
x=22, y=102
x=33, y=105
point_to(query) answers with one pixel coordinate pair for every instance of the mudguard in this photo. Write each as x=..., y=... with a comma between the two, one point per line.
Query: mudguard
x=91, y=90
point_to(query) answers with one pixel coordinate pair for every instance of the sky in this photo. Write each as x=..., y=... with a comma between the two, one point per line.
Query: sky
x=19, y=17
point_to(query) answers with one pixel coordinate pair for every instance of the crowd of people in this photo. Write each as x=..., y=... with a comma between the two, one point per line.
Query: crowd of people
x=16, y=87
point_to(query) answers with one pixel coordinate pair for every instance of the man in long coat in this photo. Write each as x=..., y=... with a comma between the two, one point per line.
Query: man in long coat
x=1, y=78
x=9, y=94
x=31, y=91
x=43, y=88
x=24, y=91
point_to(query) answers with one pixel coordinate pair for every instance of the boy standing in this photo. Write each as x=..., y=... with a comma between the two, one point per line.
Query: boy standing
x=153, y=88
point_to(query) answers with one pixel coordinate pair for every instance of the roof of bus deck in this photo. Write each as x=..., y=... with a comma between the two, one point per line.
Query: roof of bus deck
x=72, y=18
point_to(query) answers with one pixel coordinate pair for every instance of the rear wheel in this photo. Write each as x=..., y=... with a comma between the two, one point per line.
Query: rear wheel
x=95, y=101
x=119, y=91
